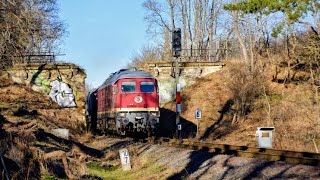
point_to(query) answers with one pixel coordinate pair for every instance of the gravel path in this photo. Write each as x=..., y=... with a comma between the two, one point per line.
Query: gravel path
x=187, y=164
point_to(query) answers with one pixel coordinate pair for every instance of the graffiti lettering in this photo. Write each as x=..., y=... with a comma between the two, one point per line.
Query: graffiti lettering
x=62, y=94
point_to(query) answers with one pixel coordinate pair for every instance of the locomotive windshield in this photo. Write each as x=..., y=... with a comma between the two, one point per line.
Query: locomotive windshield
x=146, y=86
x=128, y=86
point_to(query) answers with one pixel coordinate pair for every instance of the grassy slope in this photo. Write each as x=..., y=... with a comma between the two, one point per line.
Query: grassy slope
x=291, y=109
x=24, y=112
x=26, y=121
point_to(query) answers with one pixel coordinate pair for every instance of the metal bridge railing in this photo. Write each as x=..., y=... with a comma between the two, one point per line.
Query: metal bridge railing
x=213, y=55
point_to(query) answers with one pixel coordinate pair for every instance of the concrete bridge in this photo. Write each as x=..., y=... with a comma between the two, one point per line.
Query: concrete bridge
x=64, y=83
x=188, y=73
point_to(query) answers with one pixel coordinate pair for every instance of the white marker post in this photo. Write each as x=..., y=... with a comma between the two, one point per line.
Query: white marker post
x=125, y=159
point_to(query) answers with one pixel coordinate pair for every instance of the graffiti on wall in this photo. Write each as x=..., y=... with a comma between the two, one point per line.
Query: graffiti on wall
x=167, y=88
x=62, y=94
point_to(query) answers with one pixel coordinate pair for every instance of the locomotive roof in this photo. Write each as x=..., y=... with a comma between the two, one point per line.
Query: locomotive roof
x=125, y=73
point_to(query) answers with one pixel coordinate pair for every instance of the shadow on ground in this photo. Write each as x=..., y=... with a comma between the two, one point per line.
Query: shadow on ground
x=168, y=125
x=213, y=128
x=202, y=166
x=41, y=135
x=197, y=158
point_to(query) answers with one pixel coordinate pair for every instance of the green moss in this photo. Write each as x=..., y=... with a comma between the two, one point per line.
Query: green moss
x=113, y=172
x=276, y=97
x=4, y=106
x=116, y=172
x=46, y=177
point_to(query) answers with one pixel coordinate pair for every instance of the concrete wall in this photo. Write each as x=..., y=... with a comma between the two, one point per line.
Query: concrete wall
x=64, y=83
x=189, y=72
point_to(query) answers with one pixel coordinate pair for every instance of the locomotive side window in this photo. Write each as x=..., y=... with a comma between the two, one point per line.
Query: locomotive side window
x=146, y=86
x=128, y=87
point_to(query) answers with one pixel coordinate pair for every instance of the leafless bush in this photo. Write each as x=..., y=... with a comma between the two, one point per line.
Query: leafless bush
x=28, y=27
x=146, y=54
x=246, y=86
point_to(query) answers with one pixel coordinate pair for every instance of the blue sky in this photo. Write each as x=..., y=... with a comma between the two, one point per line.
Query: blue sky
x=102, y=35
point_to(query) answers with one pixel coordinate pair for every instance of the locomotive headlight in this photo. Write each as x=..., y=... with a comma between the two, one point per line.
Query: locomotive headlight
x=126, y=121
x=122, y=114
x=157, y=113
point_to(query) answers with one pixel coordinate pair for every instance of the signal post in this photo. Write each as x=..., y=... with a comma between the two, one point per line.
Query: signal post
x=176, y=50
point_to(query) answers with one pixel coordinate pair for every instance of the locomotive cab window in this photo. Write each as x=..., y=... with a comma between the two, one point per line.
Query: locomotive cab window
x=128, y=87
x=146, y=86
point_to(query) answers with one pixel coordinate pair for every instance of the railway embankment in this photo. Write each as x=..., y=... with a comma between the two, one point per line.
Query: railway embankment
x=235, y=103
x=30, y=149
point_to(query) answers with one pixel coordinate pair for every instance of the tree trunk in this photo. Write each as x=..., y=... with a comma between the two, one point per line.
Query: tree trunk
x=235, y=18
x=212, y=16
x=189, y=27
x=196, y=25
x=171, y=13
x=184, y=24
x=251, y=44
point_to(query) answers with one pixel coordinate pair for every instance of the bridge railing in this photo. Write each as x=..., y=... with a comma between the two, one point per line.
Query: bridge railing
x=214, y=55
x=39, y=58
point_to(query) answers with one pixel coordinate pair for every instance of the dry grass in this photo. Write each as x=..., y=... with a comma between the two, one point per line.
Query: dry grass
x=143, y=166
x=23, y=115
x=292, y=109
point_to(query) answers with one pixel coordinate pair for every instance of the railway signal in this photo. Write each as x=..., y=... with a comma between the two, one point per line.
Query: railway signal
x=176, y=42
x=176, y=49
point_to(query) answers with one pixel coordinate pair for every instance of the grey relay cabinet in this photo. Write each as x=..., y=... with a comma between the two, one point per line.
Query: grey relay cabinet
x=264, y=137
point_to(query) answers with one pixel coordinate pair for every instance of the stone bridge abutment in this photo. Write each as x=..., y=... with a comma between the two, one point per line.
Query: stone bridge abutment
x=188, y=73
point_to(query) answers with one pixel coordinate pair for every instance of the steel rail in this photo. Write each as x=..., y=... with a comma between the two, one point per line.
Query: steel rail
x=294, y=157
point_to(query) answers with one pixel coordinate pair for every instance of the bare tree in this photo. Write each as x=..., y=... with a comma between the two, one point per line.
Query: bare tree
x=28, y=27
x=196, y=18
x=236, y=24
x=146, y=54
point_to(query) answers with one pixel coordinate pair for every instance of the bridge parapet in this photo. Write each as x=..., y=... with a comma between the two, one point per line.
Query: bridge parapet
x=188, y=73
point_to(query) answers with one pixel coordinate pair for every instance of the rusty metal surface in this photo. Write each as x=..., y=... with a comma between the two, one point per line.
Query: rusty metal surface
x=295, y=157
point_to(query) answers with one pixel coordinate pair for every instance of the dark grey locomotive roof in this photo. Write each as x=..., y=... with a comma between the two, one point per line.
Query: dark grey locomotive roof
x=125, y=73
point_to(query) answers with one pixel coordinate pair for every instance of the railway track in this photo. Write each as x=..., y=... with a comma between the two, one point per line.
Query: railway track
x=294, y=157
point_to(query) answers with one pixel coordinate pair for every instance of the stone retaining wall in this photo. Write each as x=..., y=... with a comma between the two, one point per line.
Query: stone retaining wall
x=64, y=83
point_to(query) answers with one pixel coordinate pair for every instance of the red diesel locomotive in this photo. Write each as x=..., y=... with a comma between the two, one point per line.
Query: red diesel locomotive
x=128, y=101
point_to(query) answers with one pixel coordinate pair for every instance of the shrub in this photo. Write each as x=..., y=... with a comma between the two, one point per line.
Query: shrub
x=245, y=85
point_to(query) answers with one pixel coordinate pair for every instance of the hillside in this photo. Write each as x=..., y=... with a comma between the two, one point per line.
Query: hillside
x=32, y=151
x=29, y=148
x=291, y=108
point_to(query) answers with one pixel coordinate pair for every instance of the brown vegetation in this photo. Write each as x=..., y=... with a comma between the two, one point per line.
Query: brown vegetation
x=236, y=101
x=28, y=148
x=28, y=28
